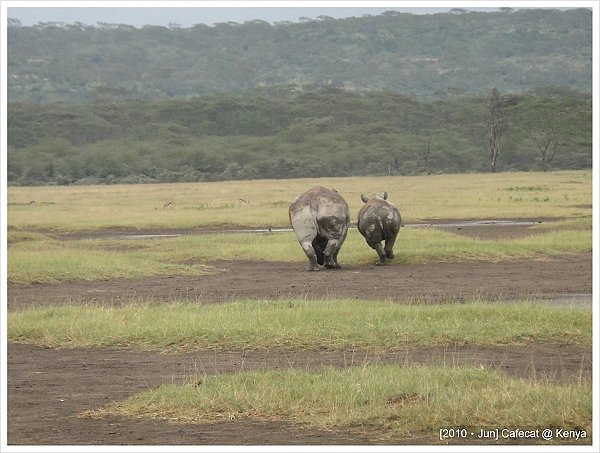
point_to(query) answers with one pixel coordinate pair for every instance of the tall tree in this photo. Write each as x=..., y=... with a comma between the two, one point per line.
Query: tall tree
x=495, y=126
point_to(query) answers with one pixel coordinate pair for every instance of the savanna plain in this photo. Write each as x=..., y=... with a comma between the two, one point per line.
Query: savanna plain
x=182, y=314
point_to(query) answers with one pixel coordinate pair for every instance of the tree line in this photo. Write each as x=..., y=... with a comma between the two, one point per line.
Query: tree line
x=424, y=55
x=293, y=132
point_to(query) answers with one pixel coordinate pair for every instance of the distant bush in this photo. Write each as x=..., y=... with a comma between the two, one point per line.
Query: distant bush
x=315, y=133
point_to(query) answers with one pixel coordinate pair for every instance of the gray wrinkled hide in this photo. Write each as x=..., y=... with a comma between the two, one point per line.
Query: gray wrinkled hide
x=320, y=219
x=379, y=221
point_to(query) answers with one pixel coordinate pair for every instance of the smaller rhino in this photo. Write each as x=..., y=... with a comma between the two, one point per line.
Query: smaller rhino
x=379, y=220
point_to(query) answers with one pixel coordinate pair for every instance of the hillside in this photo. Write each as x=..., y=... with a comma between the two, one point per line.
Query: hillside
x=422, y=55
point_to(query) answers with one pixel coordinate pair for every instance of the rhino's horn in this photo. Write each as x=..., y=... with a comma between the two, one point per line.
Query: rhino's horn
x=385, y=195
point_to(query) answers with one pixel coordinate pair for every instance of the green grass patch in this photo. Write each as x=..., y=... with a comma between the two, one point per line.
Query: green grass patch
x=418, y=246
x=51, y=261
x=391, y=400
x=24, y=235
x=412, y=246
x=297, y=324
x=581, y=223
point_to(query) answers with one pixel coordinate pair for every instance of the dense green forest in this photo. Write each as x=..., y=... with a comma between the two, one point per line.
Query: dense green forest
x=422, y=55
x=292, y=132
x=398, y=94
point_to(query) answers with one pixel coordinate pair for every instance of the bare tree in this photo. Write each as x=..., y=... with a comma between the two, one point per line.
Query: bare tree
x=393, y=170
x=425, y=154
x=495, y=126
x=547, y=138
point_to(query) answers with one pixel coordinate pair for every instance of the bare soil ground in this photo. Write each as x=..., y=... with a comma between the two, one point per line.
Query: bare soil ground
x=48, y=388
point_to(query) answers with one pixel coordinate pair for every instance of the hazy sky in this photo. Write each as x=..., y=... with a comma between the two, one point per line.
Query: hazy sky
x=187, y=17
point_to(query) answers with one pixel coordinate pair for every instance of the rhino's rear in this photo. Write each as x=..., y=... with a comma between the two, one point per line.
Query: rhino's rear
x=320, y=219
x=320, y=211
x=379, y=221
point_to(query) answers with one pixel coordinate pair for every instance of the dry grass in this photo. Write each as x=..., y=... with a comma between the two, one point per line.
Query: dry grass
x=265, y=202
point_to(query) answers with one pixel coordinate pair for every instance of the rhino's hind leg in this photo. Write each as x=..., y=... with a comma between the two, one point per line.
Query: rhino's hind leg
x=319, y=245
x=381, y=252
x=336, y=264
x=389, y=244
x=333, y=246
x=313, y=264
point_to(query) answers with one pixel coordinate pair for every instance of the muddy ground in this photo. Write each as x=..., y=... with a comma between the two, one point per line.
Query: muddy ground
x=565, y=279
x=48, y=388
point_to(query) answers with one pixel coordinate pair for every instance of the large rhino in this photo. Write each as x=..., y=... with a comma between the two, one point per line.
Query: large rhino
x=320, y=219
x=379, y=220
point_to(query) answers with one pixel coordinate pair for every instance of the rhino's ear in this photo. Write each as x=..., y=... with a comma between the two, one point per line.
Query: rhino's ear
x=364, y=199
x=385, y=195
